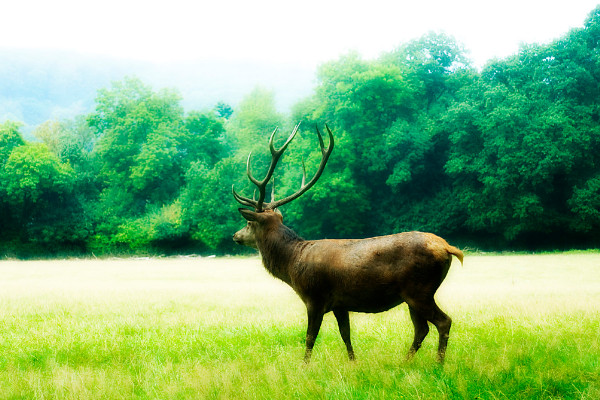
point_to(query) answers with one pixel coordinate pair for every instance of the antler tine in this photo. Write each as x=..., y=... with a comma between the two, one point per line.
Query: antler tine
x=249, y=171
x=273, y=191
x=326, y=153
x=261, y=188
x=303, y=174
x=321, y=138
x=242, y=200
x=279, y=152
x=271, y=147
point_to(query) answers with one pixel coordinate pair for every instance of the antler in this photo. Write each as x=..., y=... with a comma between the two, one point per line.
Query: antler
x=275, y=155
x=262, y=185
x=326, y=152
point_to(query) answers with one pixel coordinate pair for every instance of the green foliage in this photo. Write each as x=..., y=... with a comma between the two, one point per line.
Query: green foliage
x=504, y=157
x=585, y=204
x=209, y=211
x=139, y=131
x=224, y=110
x=39, y=201
x=387, y=112
x=524, y=141
x=9, y=139
x=160, y=225
x=438, y=61
x=32, y=174
x=255, y=117
x=204, y=140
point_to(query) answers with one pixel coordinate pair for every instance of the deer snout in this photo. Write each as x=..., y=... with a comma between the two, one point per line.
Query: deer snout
x=237, y=238
x=245, y=238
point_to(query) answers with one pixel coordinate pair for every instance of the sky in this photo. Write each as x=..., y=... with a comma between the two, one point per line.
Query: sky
x=305, y=33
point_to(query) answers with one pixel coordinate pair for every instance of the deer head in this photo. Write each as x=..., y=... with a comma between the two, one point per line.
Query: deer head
x=265, y=215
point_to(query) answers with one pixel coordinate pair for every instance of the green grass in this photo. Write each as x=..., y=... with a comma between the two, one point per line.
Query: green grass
x=187, y=328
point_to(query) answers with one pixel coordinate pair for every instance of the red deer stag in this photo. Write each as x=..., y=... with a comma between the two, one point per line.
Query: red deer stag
x=363, y=275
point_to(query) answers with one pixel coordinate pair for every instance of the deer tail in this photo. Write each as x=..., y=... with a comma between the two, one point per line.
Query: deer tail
x=456, y=252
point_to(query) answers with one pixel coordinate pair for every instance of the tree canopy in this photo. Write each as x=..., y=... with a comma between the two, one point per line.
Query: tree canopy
x=505, y=157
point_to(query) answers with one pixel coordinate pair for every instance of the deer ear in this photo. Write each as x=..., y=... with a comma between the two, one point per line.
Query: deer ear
x=249, y=215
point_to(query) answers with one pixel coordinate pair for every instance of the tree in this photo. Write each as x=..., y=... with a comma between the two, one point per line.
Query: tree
x=436, y=60
x=204, y=139
x=223, y=110
x=38, y=189
x=209, y=211
x=254, y=119
x=32, y=174
x=387, y=112
x=142, y=154
x=70, y=140
x=10, y=137
x=524, y=143
x=140, y=133
x=585, y=205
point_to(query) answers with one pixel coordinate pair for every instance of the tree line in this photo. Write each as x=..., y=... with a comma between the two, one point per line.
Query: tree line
x=505, y=157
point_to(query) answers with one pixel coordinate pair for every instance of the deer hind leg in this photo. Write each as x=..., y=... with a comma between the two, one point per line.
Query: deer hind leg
x=421, y=330
x=315, y=318
x=343, y=319
x=429, y=311
x=443, y=323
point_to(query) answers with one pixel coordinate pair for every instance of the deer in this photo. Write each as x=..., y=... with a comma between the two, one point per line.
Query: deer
x=369, y=275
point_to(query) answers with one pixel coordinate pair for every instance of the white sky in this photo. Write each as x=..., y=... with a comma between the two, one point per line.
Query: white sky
x=307, y=32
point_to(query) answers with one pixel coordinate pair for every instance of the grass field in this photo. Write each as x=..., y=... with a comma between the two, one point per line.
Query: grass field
x=525, y=327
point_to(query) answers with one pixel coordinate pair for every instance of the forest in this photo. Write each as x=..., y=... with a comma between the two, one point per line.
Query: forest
x=506, y=157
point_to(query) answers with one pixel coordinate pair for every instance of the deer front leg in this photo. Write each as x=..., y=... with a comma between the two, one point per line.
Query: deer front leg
x=315, y=318
x=421, y=330
x=343, y=320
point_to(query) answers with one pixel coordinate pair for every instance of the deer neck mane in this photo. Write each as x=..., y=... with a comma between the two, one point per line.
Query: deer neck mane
x=279, y=250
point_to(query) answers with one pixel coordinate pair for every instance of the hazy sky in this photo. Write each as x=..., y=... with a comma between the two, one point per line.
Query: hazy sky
x=307, y=32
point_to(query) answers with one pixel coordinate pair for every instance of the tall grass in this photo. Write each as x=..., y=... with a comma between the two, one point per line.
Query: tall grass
x=185, y=328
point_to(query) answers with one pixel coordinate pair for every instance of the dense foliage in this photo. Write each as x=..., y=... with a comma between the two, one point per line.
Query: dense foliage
x=506, y=157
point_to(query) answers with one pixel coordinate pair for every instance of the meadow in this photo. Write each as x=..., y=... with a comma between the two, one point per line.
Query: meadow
x=525, y=326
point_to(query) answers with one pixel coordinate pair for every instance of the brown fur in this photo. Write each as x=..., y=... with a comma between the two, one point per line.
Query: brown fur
x=363, y=275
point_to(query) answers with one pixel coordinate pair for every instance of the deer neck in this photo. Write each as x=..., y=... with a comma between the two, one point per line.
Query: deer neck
x=279, y=250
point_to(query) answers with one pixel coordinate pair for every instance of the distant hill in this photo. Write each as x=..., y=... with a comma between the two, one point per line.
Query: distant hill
x=37, y=85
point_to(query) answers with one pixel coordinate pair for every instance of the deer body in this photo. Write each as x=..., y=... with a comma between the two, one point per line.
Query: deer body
x=369, y=275
x=360, y=275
